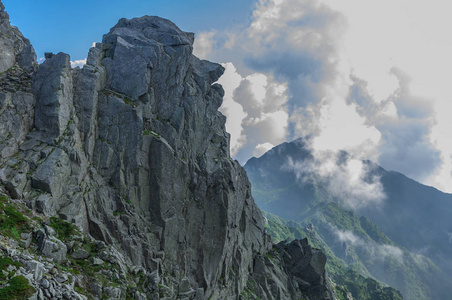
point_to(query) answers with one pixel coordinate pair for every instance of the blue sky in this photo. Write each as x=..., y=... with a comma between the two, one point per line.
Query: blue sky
x=369, y=77
x=72, y=26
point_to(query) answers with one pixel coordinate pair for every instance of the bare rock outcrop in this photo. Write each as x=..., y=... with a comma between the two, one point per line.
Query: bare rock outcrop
x=133, y=150
x=14, y=48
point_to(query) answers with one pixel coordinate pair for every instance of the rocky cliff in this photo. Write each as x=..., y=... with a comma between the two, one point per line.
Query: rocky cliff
x=131, y=149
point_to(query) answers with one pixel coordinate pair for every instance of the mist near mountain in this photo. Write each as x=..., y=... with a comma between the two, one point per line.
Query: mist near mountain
x=414, y=219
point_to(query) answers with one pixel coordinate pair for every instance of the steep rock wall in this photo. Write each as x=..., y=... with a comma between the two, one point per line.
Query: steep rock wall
x=132, y=149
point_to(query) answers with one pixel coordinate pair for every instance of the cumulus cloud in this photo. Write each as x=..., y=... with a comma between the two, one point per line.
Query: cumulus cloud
x=343, y=129
x=350, y=181
x=340, y=69
x=296, y=40
x=203, y=44
x=78, y=63
x=231, y=109
x=261, y=149
x=413, y=38
x=380, y=251
x=405, y=122
x=296, y=44
x=264, y=101
x=255, y=107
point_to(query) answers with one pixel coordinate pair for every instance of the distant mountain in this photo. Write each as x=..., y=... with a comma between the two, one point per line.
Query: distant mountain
x=409, y=231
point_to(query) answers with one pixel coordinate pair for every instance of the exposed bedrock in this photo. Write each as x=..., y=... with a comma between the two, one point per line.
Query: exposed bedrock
x=132, y=149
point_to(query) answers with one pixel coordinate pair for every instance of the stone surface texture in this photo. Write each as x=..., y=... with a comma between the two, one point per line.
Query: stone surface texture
x=132, y=149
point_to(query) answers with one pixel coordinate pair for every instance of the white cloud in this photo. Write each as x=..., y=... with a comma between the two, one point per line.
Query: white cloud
x=231, y=109
x=413, y=37
x=380, y=251
x=204, y=42
x=78, y=63
x=261, y=149
x=264, y=102
x=389, y=110
x=339, y=64
x=350, y=181
x=255, y=107
x=342, y=128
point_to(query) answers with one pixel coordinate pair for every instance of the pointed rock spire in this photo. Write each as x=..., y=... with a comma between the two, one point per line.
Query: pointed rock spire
x=14, y=48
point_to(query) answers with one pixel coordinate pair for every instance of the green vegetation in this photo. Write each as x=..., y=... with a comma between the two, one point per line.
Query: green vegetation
x=150, y=132
x=5, y=262
x=18, y=288
x=126, y=100
x=347, y=278
x=64, y=229
x=12, y=221
x=382, y=241
x=130, y=102
x=354, y=243
x=248, y=292
x=363, y=288
x=82, y=266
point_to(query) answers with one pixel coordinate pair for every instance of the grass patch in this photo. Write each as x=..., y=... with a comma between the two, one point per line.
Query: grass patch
x=130, y=102
x=18, y=288
x=150, y=132
x=5, y=262
x=64, y=229
x=12, y=221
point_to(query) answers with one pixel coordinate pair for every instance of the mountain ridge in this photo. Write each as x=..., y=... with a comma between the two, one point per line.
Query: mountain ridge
x=403, y=216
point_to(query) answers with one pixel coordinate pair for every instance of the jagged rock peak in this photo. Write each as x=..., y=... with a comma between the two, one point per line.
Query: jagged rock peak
x=14, y=48
x=137, y=49
x=153, y=28
x=133, y=150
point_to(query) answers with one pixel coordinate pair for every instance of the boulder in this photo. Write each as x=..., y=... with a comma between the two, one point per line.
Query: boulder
x=80, y=254
x=52, y=247
x=51, y=176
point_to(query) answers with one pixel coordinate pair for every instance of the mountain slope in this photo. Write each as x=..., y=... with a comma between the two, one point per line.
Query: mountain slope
x=349, y=282
x=356, y=245
x=413, y=217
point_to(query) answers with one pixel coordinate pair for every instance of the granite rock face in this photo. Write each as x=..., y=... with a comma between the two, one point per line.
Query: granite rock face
x=14, y=48
x=289, y=271
x=17, y=64
x=132, y=149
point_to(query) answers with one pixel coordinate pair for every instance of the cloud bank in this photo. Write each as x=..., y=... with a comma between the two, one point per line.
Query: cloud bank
x=348, y=180
x=339, y=74
x=379, y=251
x=78, y=63
x=256, y=111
